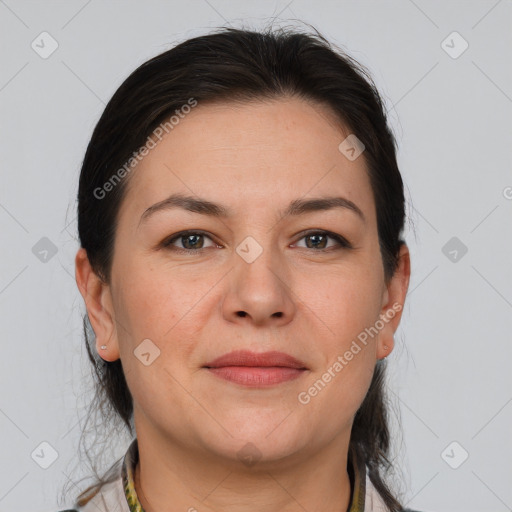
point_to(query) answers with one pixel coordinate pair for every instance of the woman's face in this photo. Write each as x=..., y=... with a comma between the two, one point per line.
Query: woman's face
x=261, y=275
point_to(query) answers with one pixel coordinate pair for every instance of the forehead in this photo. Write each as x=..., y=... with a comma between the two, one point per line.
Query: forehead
x=260, y=153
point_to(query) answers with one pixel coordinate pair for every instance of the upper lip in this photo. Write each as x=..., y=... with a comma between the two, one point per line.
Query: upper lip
x=248, y=358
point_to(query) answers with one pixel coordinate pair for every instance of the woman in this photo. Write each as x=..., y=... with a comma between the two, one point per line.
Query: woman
x=240, y=213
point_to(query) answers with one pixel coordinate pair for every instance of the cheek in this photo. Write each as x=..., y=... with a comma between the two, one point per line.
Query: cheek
x=337, y=388
x=157, y=305
x=148, y=299
x=163, y=305
x=346, y=301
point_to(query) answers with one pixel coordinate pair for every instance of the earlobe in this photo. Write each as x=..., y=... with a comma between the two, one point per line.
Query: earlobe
x=96, y=295
x=384, y=350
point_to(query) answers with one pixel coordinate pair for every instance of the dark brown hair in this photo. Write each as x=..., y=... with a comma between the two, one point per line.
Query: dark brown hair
x=241, y=65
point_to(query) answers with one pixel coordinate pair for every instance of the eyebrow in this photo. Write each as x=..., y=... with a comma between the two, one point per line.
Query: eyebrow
x=205, y=207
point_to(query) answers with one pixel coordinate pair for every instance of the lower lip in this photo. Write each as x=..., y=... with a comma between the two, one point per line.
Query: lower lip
x=257, y=376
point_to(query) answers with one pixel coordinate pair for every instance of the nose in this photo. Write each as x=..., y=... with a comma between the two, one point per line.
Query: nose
x=259, y=292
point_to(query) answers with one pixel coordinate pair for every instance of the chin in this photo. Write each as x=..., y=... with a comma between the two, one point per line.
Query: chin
x=264, y=438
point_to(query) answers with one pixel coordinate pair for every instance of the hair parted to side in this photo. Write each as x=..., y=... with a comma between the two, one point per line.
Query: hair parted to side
x=228, y=65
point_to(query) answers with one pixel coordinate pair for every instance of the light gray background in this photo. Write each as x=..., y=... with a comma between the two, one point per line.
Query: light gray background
x=450, y=371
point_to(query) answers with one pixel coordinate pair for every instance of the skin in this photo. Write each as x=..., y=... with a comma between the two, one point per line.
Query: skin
x=253, y=158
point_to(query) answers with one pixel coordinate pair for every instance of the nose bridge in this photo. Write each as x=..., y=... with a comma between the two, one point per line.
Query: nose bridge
x=258, y=260
x=257, y=226
x=258, y=283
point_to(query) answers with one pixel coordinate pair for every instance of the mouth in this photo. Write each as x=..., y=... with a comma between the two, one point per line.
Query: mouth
x=254, y=369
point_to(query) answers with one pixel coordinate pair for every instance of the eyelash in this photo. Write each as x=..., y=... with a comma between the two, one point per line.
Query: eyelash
x=342, y=242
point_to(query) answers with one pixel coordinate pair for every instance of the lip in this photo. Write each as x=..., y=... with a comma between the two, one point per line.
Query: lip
x=256, y=359
x=253, y=369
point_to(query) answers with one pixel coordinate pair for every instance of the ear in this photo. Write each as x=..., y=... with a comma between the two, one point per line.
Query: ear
x=98, y=301
x=393, y=300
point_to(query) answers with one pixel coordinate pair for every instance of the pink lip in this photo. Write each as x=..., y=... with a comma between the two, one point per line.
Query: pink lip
x=256, y=369
x=248, y=358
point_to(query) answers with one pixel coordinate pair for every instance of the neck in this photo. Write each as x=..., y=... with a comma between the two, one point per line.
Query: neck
x=203, y=483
